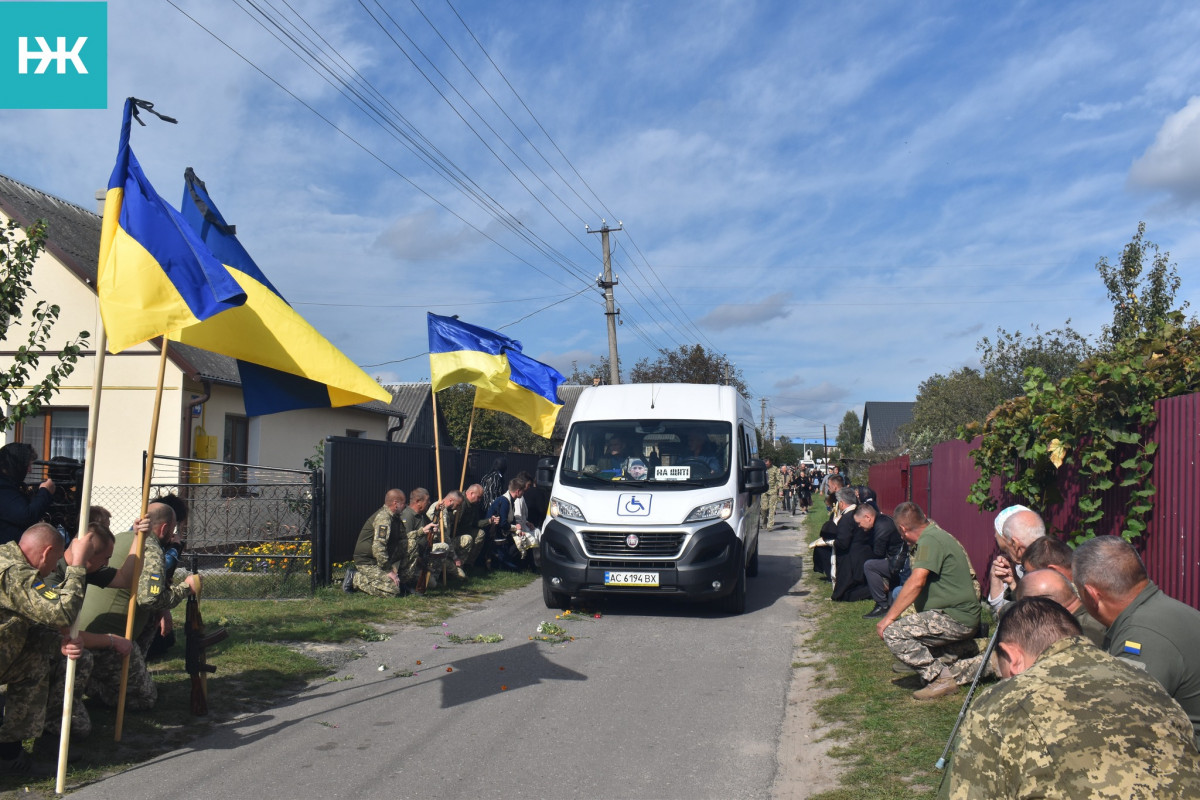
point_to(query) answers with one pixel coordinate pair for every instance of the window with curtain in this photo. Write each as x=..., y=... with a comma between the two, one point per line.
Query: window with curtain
x=57, y=432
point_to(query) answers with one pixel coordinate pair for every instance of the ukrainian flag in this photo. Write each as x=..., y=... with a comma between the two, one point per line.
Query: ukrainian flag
x=284, y=362
x=463, y=353
x=530, y=394
x=154, y=275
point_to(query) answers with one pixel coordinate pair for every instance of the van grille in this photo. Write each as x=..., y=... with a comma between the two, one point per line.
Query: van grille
x=611, y=544
x=598, y=563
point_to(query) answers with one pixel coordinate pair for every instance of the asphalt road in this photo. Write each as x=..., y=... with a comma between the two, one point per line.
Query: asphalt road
x=652, y=700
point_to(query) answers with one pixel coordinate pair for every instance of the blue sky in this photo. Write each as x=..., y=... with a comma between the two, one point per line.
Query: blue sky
x=842, y=197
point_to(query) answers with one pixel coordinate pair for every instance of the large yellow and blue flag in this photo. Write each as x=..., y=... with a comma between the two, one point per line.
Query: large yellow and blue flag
x=460, y=352
x=530, y=394
x=284, y=362
x=154, y=275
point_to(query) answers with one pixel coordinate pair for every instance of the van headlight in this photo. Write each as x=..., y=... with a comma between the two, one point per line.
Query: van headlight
x=722, y=509
x=561, y=508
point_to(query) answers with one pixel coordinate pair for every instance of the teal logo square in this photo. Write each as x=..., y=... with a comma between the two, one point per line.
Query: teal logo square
x=53, y=55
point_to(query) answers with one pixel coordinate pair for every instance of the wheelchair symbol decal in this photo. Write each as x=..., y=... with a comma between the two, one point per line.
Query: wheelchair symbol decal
x=633, y=505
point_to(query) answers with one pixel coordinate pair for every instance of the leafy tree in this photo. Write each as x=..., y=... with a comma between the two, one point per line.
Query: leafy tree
x=947, y=402
x=595, y=373
x=493, y=430
x=849, y=435
x=1140, y=302
x=21, y=399
x=695, y=364
x=1098, y=418
x=1057, y=353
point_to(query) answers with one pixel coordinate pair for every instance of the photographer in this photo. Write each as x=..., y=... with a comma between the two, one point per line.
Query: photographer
x=18, y=512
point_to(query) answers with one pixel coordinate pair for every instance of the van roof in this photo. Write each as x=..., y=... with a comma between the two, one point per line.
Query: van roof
x=661, y=401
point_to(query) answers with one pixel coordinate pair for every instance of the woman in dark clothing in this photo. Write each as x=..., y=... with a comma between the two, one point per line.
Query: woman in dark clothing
x=18, y=512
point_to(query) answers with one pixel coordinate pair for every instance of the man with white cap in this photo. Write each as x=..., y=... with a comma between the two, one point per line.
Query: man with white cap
x=1016, y=528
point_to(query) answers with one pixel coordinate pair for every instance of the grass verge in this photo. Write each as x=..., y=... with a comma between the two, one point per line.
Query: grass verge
x=888, y=742
x=275, y=648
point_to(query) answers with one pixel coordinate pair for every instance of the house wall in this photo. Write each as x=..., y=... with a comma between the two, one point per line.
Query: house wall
x=286, y=439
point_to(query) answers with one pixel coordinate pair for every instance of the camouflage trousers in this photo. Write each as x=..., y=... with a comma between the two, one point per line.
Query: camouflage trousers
x=469, y=547
x=970, y=656
x=26, y=679
x=105, y=682
x=370, y=579
x=412, y=562
x=81, y=723
x=928, y=641
x=767, y=511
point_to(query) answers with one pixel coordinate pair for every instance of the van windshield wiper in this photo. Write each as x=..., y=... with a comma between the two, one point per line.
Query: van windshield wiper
x=591, y=477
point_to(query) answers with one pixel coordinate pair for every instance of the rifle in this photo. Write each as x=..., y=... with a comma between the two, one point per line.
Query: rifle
x=194, y=658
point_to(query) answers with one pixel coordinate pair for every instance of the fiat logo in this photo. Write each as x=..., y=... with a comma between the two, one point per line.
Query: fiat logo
x=632, y=540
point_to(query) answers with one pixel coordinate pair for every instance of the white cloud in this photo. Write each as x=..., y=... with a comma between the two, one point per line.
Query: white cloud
x=1172, y=162
x=735, y=315
x=1090, y=112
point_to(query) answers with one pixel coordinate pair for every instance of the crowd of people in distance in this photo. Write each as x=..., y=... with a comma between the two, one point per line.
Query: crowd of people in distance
x=1099, y=692
x=412, y=541
x=49, y=584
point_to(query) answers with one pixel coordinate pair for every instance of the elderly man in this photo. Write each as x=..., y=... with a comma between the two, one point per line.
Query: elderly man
x=1017, y=527
x=941, y=590
x=32, y=612
x=1145, y=627
x=1071, y=722
x=105, y=609
x=378, y=549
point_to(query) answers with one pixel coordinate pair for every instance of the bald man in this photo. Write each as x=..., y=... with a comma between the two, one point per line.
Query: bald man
x=1051, y=584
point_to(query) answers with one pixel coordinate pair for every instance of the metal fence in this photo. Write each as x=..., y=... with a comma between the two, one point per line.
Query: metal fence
x=1170, y=548
x=250, y=530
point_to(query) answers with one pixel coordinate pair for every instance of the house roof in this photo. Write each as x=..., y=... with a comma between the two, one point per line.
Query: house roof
x=73, y=232
x=885, y=419
x=569, y=394
x=73, y=237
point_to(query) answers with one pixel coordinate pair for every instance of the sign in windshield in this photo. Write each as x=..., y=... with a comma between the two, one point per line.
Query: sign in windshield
x=682, y=452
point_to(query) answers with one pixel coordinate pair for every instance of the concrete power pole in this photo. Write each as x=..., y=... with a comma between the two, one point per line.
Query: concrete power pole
x=607, y=282
x=763, y=421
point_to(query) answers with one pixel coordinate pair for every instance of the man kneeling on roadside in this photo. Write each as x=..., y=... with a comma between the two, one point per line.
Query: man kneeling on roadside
x=947, y=605
x=1072, y=721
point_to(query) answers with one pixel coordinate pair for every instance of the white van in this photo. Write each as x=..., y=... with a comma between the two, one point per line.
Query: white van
x=655, y=493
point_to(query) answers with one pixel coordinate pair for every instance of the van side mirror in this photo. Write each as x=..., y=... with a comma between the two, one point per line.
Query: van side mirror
x=545, y=471
x=754, y=476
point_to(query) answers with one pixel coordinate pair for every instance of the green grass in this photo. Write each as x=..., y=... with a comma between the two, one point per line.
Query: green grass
x=887, y=742
x=257, y=666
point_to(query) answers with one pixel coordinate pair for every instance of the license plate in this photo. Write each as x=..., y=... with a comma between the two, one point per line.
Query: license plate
x=631, y=579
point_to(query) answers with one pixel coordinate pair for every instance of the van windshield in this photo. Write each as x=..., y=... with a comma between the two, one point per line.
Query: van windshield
x=664, y=452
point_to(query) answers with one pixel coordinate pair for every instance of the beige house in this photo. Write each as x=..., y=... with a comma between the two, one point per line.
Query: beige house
x=202, y=414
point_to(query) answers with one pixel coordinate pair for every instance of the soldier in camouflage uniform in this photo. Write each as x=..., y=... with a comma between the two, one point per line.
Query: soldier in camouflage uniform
x=105, y=609
x=472, y=525
x=770, y=498
x=1074, y=722
x=416, y=529
x=447, y=514
x=378, y=549
x=31, y=614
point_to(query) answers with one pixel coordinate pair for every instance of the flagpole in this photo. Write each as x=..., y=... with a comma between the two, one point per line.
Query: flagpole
x=140, y=540
x=437, y=461
x=85, y=503
x=467, y=451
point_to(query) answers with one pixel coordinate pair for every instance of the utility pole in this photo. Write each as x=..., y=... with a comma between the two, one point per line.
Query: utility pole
x=771, y=427
x=607, y=282
x=825, y=453
x=763, y=422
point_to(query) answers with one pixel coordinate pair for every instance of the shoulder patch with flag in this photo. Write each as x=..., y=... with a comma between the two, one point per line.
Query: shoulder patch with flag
x=47, y=592
x=1133, y=648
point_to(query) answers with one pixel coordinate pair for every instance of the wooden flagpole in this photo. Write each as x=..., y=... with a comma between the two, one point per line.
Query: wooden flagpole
x=437, y=461
x=139, y=542
x=85, y=502
x=470, y=427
